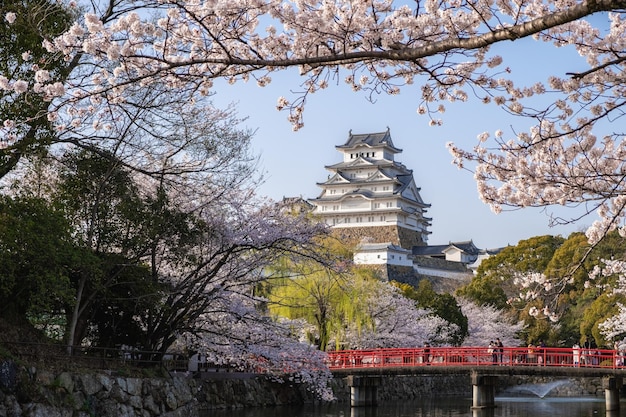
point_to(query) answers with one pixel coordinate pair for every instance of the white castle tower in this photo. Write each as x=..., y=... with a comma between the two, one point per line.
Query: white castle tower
x=369, y=196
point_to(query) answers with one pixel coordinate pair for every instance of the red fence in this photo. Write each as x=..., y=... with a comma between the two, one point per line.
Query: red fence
x=477, y=356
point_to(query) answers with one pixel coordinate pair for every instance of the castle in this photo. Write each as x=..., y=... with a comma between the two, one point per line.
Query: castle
x=371, y=200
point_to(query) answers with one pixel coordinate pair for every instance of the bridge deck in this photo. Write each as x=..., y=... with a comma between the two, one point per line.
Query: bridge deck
x=500, y=361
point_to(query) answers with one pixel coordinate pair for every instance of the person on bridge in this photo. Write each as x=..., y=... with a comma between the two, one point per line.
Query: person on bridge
x=541, y=352
x=576, y=354
x=494, y=352
x=426, y=356
x=530, y=357
x=500, y=348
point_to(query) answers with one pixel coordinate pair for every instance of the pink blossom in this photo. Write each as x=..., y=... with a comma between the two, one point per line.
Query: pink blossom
x=20, y=86
x=10, y=17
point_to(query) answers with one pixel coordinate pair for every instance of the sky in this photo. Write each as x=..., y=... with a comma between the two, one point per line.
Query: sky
x=293, y=162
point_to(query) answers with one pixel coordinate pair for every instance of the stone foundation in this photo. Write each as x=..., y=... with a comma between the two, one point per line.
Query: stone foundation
x=394, y=234
x=31, y=393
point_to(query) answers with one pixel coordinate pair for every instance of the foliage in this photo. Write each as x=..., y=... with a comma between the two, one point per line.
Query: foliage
x=484, y=291
x=316, y=292
x=548, y=278
x=35, y=254
x=318, y=297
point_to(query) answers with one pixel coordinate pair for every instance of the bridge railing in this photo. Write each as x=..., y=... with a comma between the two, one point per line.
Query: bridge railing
x=477, y=356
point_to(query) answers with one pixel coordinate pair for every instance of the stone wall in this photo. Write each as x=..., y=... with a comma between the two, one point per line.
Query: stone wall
x=32, y=393
x=409, y=275
x=380, y=234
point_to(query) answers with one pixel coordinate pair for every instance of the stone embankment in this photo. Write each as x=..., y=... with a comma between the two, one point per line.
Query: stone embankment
x=35, y=393
x=32, y=393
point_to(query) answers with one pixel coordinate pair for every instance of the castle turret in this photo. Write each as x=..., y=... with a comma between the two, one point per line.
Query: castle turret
x=369, y=196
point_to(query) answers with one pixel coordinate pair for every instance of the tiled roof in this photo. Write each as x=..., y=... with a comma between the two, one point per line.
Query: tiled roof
x=467, y=247
x=370, y=139
x=430, y=250
x=439, y=250
x=361, y=162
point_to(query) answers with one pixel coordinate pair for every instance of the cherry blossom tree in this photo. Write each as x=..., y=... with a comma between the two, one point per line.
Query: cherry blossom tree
x=23, y=26
x=210, y=304
x=488, y=323
x=395, y=321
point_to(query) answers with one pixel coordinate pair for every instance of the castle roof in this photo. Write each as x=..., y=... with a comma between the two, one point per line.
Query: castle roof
x=467, y=247
x=364, y=161
x=372, y=140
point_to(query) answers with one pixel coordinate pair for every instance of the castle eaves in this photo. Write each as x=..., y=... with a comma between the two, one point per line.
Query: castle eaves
x=372, y=140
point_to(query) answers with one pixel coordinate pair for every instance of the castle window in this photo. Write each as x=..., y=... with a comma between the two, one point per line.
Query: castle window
x=382, y=218
x=347, y=220
x=389, y=204
x=370, y=219
x=376, y=205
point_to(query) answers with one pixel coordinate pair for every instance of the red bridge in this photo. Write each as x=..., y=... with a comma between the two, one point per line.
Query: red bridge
x=365, y=369
x=477, y=357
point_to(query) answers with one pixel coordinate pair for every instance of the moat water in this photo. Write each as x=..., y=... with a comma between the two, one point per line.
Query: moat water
x=531, y=406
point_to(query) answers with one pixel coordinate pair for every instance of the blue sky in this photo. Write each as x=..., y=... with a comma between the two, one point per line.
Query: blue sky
x=294, y=161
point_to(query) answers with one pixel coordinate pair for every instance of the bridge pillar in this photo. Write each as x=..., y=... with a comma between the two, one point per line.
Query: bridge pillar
x=612, y=386
x=363, y=390
x=483, y=390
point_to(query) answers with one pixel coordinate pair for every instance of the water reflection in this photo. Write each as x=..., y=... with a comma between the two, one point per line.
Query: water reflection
x=364, y=412
x=483, y=412
x=443, y=407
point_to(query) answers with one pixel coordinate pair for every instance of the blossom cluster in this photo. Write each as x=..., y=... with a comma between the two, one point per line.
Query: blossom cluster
x=381, y=45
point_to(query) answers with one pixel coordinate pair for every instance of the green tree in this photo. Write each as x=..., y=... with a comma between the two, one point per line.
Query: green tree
x=484, y=290
x=35, y=258
x=323, y=295
x=494, y=283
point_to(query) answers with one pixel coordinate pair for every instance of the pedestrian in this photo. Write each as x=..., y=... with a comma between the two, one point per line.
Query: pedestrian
x=531, y=353
x=494, y=352
x=500, y=348
x=576, y=354
x=541, y=353
x=426, y=356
